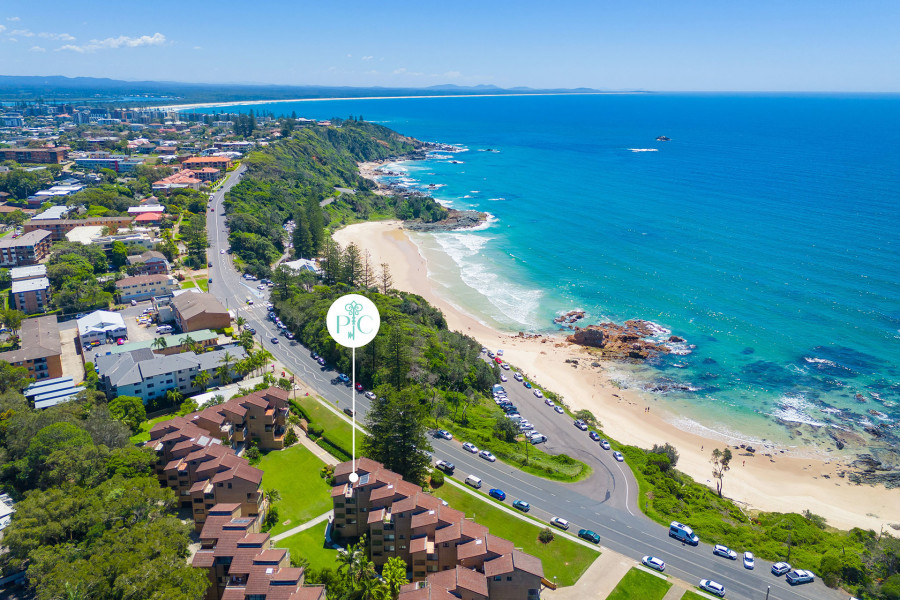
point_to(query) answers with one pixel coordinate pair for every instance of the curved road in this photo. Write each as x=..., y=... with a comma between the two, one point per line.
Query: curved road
x=605, y=503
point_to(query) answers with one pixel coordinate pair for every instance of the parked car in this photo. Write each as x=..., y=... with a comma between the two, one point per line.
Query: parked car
x=443, y=433
x=498, y=494
x=654, y=563
x=712, y=587
x=517, y=376
x=446, y=467
x=359, y=387
x=594, y=436
x=321, y=361
x=274, y=340
x=559, y=522
x=370, y=395
x=486, y=455
x=470, y=447
x=342, y=377
x=604, y=444
x=527, y=384
x=749, y=562
x=618, y=456
x=799, y=576
x=505, y=366
x=521, y=505
x=559, y=409
x=348, y=412
x=725, y=552
x=591, y=536
x=780, y=568
x=538, y=393
x=549, y=402
x=503, y=377
x=580, y=425
x=537, y=438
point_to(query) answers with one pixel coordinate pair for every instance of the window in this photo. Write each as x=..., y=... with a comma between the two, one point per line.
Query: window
x=509, y=577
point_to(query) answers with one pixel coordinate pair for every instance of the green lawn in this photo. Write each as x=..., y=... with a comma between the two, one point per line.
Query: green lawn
x=294, y=472
x=640, y=584
x=143, y=435
x=562, y=558
x=187, y=283
x=336, y=430
x=689, y=595
x=310, y=544
x=203, y=284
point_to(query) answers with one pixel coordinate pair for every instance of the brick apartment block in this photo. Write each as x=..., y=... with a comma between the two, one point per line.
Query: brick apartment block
x=448, y=555
x=260, y=416
x=242, y=564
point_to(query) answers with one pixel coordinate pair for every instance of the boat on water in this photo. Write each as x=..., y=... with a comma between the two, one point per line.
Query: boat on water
x=456, y=162
x=663, y=138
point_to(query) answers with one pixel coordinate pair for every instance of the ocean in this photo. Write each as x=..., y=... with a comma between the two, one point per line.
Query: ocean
x=765, y=233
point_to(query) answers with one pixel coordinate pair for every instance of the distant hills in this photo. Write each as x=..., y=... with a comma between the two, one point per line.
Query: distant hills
x=107, y=91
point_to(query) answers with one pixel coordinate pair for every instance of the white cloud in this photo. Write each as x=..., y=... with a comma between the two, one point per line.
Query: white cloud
x=123, y=41
x=63, y=37
x=404, y=71
x=198, y=47
x=37, y=49
x=22, y=32
x=367, y=57
x=2, y=28
x=13, y=19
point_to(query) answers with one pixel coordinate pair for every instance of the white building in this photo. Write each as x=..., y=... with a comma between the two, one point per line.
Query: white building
x=100, y=326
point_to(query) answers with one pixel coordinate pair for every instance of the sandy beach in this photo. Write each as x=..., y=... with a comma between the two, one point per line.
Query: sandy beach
x=778, y=483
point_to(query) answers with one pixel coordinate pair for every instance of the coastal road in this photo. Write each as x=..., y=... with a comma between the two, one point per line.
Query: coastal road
x=605, y=503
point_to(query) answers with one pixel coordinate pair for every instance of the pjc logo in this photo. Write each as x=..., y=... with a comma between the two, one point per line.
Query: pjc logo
x=353, y=320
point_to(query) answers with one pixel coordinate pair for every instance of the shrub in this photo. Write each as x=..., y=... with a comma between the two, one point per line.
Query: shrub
x=290, y=437
x=437, y=479
x=314, y=431
x=545, y=536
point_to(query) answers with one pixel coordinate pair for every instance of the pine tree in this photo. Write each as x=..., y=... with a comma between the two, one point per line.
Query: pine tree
x=302, y=239
x=316, y=225
x=397, y=426
x=352, y=265
x=386, y=280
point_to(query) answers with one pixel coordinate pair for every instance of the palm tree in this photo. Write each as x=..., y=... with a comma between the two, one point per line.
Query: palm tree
x=188, y=341
x=160, y=343
x=201, y=379
x=174, y=396
x=240, y=322
x=262, y=357
x=224, y=374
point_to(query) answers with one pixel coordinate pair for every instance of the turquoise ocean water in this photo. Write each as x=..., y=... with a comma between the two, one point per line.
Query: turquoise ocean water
x=766, y=233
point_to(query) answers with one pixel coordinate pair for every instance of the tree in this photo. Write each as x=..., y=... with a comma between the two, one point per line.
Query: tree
x=669, y=450
x=118, y=255
x=589, y=418
x=129, y=410
x=160, y=344
x=545, y=536
x=174, y=396
x=505, y=429
x=394, y=575
x=13, y=319
x=352, y=265
x=397, y=433
x=720, y=460
x=13, y=378
x=240, y=322
x=385, y=280
x=201, y=379
x=187, y=407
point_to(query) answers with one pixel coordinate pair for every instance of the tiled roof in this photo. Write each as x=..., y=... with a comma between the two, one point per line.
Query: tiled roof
x=363, y=465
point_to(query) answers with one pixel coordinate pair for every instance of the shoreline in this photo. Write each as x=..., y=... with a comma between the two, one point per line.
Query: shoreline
x=780, y=483
x=179, y=107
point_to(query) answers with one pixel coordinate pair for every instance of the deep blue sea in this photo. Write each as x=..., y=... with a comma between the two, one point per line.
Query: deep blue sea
x=766, y=233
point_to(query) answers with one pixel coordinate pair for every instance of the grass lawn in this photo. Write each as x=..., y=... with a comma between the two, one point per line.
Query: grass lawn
x=310, y=544
x=203, y=284
x=294, y=472
x=689, y=595
x=187, y=283
x=640, y=584
x=143, y=435
x=562, y=558
x=337, y=430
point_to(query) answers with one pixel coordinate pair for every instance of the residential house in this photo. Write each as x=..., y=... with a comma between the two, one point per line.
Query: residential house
x=101, y=326
x=28, y=249
x=199, y=311
x=150, y=262
x=39, y=350
x=444, y=551
x=144, y=287
x=147, y=375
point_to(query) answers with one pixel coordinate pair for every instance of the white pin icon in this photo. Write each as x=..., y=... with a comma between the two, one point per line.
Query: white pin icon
x=353, y=321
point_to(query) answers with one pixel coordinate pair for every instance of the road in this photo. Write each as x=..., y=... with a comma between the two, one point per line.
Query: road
x=605, y=503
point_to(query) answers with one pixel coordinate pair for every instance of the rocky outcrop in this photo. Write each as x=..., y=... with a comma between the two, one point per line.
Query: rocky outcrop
x=456, y=219
x=626, y=341
x=570, y=318
x=870, y=470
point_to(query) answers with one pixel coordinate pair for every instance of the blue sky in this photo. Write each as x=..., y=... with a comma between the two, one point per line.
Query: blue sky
x=678, y=45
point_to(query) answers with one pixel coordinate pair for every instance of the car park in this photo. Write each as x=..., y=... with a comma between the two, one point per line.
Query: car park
x=558, y=409
x=780, y=568
x=521, y=505
x=725, y=552
x=604, y=444
x=799, y=576
x=580, y=424
x=486, y=455
x=594, y=436
x=446, y=467
x=618, y=456
x=712, y=587
x=559, y=522
x=654, y=563
x=587, y=534
x=538, y=393
x=444, y=434
x=370, y=395
x=749, y=561
x=470, y=447
x=498, y=494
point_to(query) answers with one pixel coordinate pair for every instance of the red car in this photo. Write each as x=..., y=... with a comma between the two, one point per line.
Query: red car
x=359, y=387
x=498, y=360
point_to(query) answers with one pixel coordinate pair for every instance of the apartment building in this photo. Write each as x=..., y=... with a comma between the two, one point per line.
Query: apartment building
x=117, y=163
x=52, y=156
x=31, y=295
x=39, y=350
x=242, y=564
x=445, y=552
x=58, y=228
x=28, y=249
x=144, y=287
x=150, y=262
x=260, y=416
x=196, y=163
x=194, y=311
x=203, y=472
x=148, y=375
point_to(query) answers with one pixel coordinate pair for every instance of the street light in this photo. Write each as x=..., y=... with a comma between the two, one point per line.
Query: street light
x=768, y=588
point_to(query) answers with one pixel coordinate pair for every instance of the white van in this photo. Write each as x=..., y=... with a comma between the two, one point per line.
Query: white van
x=475, y=482
x=683, y=533
x=164, y=329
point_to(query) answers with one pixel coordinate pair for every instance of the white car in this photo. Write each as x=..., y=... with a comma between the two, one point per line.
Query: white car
x=222, y=251
x=503, y=377
x=749, y=561
x=604, y=444
x=486, y=455
x=580, y=425
x=517, y=376
x=712, y=587
x=654, y=563
x=780, y=568
x=470, y=447
x=559, y=409
x=618, y=456
x=538, y=393
x=500, y=352
x=443, y=433
x=370, y=395
x=559, y=522
x=725, y=552
x=505, y=366
x=484, y=350
x=800, y=576
x=549, y=402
